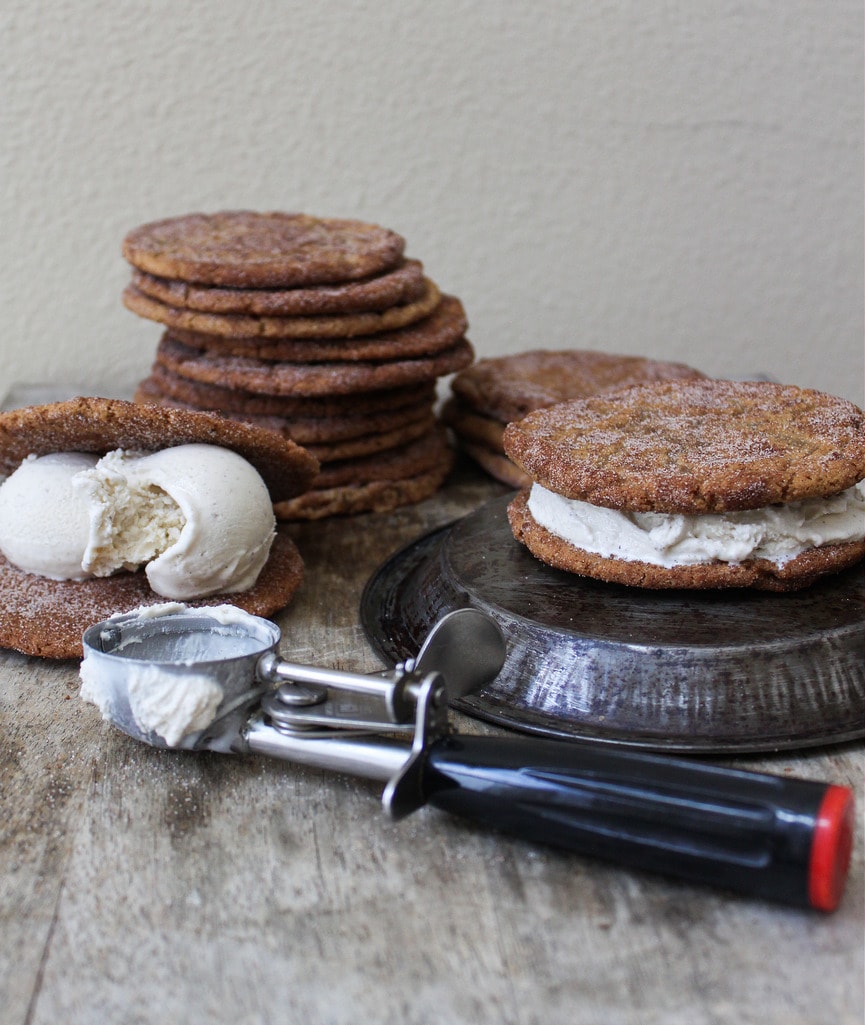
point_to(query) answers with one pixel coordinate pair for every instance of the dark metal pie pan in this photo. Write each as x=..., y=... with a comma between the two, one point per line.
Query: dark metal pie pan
x=689, y=671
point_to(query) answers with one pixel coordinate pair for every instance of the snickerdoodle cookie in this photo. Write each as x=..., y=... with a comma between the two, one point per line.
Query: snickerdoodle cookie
x=247, y=249
x=491, y=392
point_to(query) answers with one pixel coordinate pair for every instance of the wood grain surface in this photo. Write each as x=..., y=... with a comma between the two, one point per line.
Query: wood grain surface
x=140, y=886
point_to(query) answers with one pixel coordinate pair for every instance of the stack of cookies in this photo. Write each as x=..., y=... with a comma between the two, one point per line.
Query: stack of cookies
x=317, y=328
x=493, y=392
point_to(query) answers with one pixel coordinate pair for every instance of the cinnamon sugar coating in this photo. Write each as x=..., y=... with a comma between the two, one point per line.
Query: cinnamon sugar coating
x=251, y=329
x=508, y=387
x=215, y=397
x=356, y=447
x=312, y=430
x=693, y=446
x=319, y=330
x=420, y=455
x=374, y=496
x=340, y=377
x=444, y=326
x=246, y=249
x=48, y=617
x=404, y=284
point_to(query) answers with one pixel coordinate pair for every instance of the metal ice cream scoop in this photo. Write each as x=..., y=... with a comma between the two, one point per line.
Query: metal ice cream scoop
x=213, y=679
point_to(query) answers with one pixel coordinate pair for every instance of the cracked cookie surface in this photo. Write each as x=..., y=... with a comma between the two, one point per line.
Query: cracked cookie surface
x=693, y=446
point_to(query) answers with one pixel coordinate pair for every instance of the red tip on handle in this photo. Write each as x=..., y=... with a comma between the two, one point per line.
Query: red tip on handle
x=831, y=848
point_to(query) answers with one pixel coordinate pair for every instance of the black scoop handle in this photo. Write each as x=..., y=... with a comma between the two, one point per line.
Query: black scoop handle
x=781, y=839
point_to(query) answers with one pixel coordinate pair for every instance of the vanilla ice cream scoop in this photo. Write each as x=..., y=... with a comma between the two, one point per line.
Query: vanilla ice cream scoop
x=199, y=516
x=44, y=525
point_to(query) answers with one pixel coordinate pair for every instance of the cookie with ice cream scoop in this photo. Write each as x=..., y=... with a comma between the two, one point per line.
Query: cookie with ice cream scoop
x=109, y=505
x=694, y=484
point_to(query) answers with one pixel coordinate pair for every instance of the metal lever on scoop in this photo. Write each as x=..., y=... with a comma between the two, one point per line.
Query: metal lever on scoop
x=782, y=839
x=340, y=720
x=467, y=643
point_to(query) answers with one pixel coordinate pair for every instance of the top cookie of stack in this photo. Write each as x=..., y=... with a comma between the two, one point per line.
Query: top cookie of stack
x=318, y=328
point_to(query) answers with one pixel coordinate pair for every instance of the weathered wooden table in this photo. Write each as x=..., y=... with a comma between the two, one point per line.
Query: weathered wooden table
x=147, y=886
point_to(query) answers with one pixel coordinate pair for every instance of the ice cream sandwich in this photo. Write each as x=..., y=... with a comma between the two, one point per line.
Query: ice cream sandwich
x=694, y=484
x=109, y=505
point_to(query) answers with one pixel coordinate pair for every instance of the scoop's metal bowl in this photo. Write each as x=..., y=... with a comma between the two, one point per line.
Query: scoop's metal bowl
x=690, y=671
x=177, y=653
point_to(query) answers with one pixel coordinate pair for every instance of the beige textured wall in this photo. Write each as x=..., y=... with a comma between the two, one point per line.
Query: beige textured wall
x=671, y=179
